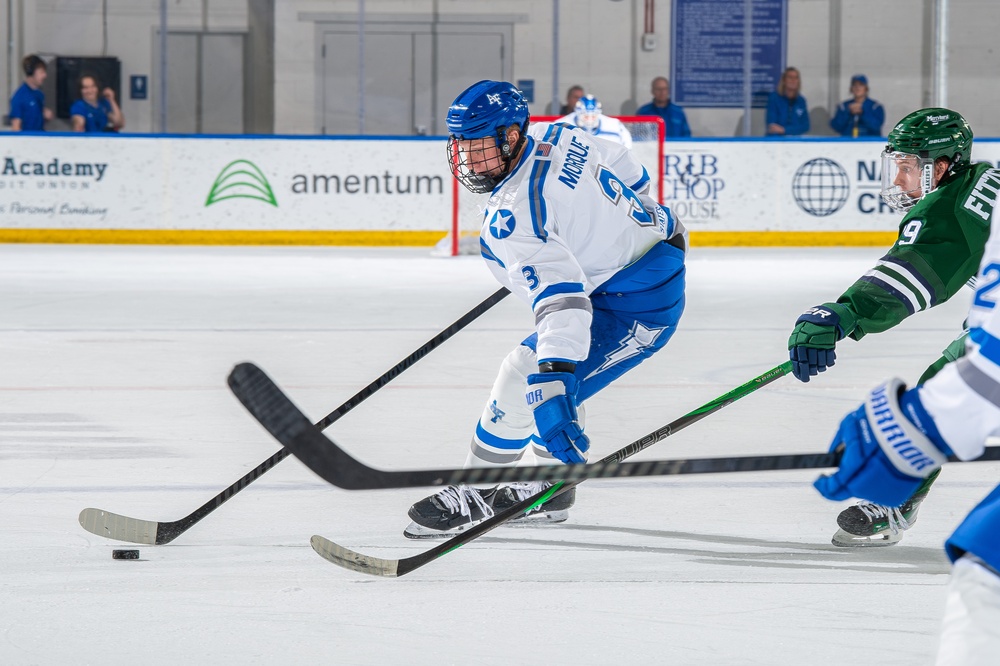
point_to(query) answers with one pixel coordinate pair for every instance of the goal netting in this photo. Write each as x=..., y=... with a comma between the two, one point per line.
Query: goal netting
x=648, y=135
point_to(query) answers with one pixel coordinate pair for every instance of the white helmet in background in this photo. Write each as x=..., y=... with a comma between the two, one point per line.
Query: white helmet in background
x=588, y=113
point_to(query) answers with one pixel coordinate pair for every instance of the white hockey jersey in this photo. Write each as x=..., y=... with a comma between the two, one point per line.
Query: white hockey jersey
x=964, y=397
x=572, y=213
x=608, y=128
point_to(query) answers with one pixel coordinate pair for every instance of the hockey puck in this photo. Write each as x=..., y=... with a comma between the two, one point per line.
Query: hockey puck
x=125, y=554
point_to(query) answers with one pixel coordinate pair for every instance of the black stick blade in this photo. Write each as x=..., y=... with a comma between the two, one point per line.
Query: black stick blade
x=287, y=424
x=267, y=403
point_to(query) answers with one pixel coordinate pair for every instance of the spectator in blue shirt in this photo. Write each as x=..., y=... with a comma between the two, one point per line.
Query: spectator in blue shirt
x=787, y=111
x=27, y=106
x=860, y=115
x=673, y=115
x=91, y=114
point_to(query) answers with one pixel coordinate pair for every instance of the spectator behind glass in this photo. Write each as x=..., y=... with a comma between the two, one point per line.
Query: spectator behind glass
x=27, y=106
x=573, y=96
x=673, y=115
x=787, y=112
x=860, y=115
x=91, y=114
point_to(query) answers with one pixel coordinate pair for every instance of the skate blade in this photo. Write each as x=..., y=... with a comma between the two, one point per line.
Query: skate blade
x=539, y=519
x=415, y=531
x=844, y=539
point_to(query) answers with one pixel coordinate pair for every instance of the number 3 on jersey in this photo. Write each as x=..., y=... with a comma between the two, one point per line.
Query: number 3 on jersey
x=530, y=276
x=615, y=190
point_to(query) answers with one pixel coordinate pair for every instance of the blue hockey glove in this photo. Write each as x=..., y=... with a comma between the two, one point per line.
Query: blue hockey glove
x=890, y=446
x=552, y=396
x=812, y=342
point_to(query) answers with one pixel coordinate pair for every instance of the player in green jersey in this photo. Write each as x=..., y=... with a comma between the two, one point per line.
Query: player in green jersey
x=927, y=174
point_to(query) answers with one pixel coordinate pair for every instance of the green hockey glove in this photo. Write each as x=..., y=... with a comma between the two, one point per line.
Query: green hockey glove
x=811, y=347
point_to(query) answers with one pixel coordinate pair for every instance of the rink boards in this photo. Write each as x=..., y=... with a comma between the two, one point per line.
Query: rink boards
x=398, y=191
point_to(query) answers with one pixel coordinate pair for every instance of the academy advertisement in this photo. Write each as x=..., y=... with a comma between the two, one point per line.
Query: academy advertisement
x=69, y=182
x=230, y=184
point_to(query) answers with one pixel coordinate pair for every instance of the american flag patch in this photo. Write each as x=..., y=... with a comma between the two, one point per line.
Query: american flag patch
x=543, y=150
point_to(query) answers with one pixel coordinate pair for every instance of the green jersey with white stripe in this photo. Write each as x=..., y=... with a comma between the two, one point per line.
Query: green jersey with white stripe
x=940, y=244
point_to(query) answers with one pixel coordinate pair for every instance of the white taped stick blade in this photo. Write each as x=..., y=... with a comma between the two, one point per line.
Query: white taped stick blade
x=348, y=559
x=122, y=528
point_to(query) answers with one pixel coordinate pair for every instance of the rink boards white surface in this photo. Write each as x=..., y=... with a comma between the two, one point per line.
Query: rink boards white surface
x=113, y=395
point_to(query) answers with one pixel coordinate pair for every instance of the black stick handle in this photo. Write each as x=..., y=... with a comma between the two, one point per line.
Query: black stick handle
x=169, y=531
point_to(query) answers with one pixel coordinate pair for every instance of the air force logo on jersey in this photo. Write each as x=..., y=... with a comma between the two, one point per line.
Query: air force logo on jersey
x=502, y=224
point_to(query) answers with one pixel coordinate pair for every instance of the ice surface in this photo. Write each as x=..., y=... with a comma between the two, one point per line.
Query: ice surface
x=112, y=395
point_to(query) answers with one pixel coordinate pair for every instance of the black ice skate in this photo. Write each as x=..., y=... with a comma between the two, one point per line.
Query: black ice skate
x=452, y=510
x=556, y=510
x=866, y=524
x=457, y=508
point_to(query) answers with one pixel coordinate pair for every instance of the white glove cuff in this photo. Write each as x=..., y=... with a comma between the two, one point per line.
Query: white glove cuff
x=909, y=450
x=541, y=392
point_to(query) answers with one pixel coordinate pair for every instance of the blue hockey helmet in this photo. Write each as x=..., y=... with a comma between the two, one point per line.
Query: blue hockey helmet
x=485, y=110
x=588, y=113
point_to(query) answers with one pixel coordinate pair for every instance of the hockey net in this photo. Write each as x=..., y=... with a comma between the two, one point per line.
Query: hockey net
x=648, y=135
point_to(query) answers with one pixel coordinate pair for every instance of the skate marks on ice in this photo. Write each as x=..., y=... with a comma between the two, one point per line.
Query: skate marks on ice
x=752, y=552
x=66, y=436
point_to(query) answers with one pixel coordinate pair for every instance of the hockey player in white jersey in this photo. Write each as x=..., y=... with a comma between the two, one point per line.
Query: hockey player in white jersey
x=898, y=438
x=589, y=117
x=570, y=230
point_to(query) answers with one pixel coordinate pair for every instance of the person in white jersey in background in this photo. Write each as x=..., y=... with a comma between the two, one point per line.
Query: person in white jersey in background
x=589, y=117
x=570, y=229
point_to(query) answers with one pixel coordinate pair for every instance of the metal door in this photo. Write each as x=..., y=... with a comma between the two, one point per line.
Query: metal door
x=204, y=82
x=464, y=59
x=221, y=83
x=413, y=71
x=389, y=80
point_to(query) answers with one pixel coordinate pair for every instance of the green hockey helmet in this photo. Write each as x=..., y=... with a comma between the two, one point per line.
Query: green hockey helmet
x=933, y=133
x=914, y=144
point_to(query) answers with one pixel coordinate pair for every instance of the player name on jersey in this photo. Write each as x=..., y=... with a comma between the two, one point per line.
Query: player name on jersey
x=984, y=195
x=575, y=161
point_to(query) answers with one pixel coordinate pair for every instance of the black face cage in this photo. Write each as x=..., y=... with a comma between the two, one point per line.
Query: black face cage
x=473, y=174
x=465, y=171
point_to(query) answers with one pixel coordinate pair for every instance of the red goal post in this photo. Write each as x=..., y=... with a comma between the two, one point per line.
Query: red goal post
x=648, y=136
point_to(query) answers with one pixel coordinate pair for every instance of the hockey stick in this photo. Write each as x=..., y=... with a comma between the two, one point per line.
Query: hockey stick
x=114, y=526
x=279, y=416
x=684, y=466
x=283, y=420
x=391, y=568
x=269, y=405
